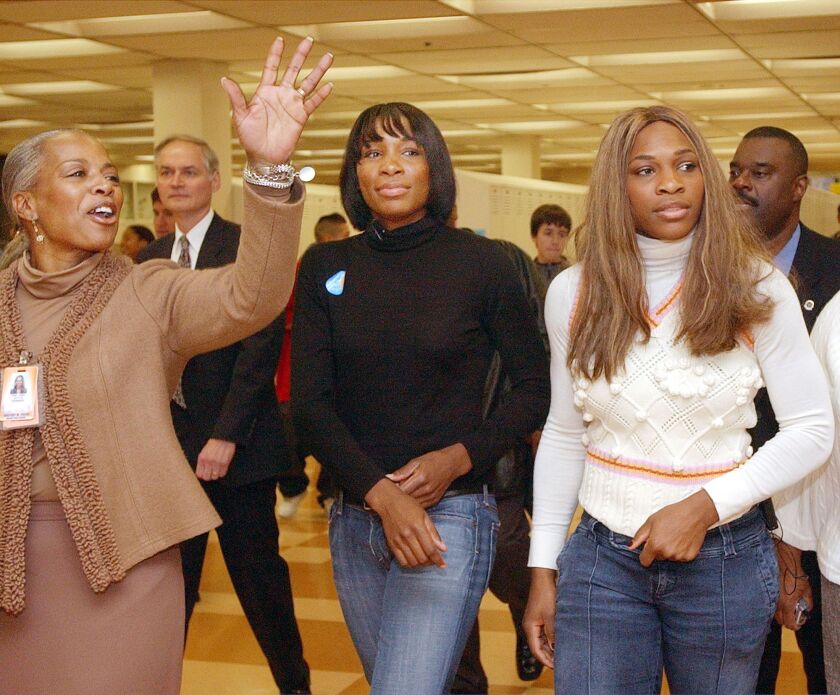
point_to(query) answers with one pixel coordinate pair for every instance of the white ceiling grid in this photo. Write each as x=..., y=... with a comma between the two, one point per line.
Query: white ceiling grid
x=484, y=69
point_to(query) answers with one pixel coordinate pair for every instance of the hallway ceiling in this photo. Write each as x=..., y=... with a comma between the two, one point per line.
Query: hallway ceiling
x=486, y=70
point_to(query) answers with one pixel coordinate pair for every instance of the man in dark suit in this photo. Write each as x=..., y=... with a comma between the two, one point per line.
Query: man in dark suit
x=226, y=417
x=769, y=172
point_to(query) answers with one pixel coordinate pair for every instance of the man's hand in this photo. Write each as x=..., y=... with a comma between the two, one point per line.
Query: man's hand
x=793, y=585
x=538, y=622
x=214, y=459
x=409, y=531
x=427, y=477
x=676, y=532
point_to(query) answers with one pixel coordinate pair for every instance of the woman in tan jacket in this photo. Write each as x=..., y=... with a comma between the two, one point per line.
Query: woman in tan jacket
x=95, y=493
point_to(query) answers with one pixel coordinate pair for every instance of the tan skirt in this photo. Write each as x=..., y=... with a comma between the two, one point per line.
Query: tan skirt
x=70, y=640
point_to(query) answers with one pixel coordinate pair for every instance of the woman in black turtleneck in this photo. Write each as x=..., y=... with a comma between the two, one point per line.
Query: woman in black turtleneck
x=394, y=333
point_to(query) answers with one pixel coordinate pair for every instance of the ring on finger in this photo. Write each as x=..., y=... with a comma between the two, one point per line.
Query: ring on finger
x=302, y=92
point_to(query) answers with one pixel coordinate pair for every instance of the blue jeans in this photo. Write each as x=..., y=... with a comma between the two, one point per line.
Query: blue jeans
x=618, y=623
x=409, y=626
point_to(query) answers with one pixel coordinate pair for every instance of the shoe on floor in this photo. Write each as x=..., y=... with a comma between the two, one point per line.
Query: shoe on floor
x=288, y=506
x=527, y=666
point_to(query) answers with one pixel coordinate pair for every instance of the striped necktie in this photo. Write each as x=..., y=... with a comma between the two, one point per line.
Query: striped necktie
x=184, y=262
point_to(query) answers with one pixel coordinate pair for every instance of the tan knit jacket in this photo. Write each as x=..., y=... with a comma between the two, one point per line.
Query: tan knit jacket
x=125, y=368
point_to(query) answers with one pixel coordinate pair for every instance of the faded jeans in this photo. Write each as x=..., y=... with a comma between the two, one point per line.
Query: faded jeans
x=409, y=625
x=618, y=623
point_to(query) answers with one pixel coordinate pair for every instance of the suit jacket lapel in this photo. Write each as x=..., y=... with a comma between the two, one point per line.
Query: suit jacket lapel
x=212, y=245
x=804, y=264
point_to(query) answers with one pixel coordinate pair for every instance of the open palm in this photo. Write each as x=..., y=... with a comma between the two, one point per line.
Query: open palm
x=269, y=125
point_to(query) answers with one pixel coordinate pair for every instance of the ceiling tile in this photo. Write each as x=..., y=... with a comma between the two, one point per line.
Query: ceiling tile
x=324, y=11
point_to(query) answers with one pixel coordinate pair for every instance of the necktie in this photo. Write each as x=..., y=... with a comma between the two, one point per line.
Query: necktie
x=184, y=262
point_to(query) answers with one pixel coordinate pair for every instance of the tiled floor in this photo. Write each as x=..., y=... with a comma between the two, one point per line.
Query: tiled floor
x=223, y=658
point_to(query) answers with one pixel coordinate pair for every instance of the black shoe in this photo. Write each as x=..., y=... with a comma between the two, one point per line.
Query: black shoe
x=527, y=666
x=302, y=686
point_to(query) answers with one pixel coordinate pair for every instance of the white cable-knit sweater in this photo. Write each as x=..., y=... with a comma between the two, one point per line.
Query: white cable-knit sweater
x=809, y=512
x=669, y=423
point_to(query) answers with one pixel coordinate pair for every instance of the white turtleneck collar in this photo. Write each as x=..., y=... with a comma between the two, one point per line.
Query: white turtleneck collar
x=664, y=264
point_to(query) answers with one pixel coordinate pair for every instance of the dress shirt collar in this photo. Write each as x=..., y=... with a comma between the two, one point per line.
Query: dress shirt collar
x=195, y=238
x=784, y=259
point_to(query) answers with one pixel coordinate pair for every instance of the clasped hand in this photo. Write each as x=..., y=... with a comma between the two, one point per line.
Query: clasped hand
x=270, y=124
x=677, y=531
x=427, y=477
x=401, y=500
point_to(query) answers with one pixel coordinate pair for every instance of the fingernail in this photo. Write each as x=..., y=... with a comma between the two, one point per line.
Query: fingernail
x=331, y=54
x=309, y=38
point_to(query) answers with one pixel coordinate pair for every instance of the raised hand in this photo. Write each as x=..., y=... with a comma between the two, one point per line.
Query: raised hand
x=270, y=124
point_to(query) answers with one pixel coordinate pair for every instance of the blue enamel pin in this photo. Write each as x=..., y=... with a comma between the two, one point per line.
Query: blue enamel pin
x=335, y=284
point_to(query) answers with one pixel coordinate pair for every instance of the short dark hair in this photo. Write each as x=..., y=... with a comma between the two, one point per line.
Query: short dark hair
x=397, y=119
x=549, y=214
x=800, y=154
x=155, y=195
x=326, y=224
x=144, y=233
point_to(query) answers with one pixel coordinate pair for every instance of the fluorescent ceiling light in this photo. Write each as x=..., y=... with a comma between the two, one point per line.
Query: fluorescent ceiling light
x=759, y=116
x=68, y=87
x=318, y=153
x=54, y=48
x=520, y=79
x=568, y=156
x=22, y=123
x=661, y=57
x=598, y=106
x=480, y=7
x=737, y=94
x=467, y=133
x=475, y=157
x=444, y=104
x=804, y=64
x=423, y=27
x=531, y=126
x=6, y=100
x=326, y=133
x=165, y=23
x=745, y=10
x=359, y=72
x=137, y=125
x=819, y=98
x=129, y=140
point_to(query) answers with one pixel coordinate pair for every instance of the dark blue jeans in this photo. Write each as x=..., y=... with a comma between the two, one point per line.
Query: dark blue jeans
x=409, y=626
x=618, y=623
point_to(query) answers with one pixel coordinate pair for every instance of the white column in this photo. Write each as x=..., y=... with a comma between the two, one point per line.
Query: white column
x=521, y=156
x=188, y=99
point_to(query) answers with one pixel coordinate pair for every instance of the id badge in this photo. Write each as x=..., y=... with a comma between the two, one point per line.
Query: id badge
x=21, y=397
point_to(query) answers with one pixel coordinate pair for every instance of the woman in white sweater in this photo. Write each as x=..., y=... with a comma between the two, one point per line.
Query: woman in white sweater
x=660, y=338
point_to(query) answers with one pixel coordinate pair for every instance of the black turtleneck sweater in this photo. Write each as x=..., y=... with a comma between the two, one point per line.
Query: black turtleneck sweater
x=393, y=364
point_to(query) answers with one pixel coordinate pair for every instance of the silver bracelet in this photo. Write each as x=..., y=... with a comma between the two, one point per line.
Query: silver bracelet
x=275, y=175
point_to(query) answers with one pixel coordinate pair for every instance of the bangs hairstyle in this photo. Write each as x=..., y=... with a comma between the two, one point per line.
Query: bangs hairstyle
x=398, y=120
x=718, y=301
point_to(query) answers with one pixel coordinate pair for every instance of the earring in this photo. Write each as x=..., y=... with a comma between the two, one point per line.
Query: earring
x=39, y=235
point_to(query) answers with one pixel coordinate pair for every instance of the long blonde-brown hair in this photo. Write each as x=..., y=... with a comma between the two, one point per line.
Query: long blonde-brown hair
x=718, y=301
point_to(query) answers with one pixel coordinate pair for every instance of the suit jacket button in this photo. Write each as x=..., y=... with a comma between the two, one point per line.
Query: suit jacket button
x=808, y=305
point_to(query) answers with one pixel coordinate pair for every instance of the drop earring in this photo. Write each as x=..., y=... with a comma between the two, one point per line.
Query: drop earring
x=39, y=235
